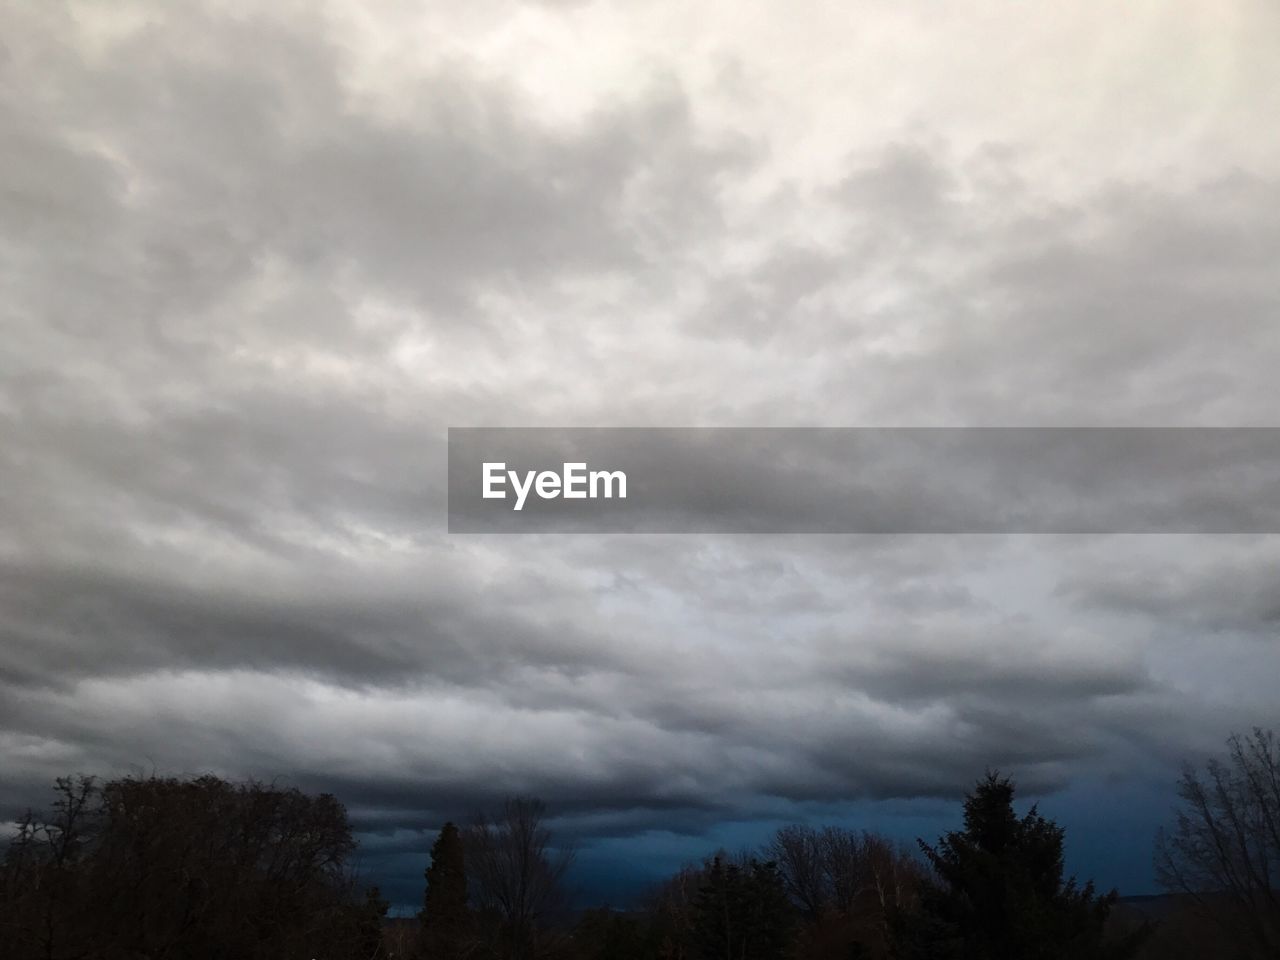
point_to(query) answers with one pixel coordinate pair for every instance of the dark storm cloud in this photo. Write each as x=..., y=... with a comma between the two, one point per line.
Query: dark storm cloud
x=67, y=624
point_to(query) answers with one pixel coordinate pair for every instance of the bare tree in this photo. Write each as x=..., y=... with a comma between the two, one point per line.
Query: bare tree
x=848, y=884
x=517, y=872
x=801, y=856
x=196, y=869
x=41, y=880
x=834, y=868
x=1224, y=849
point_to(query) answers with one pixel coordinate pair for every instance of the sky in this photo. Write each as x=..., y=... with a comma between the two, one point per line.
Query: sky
x=257, y=258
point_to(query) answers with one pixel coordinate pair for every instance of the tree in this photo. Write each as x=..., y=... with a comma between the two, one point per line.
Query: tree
x=369, y=922
x=517, y=873
x=847, y=885
x=44, y=887
x=741, y=912
x=671, y=906
x=1224, y=850
x=445, y=917
x=999, y=892
x=802, y=861
x=201, y=869
x=604, y=934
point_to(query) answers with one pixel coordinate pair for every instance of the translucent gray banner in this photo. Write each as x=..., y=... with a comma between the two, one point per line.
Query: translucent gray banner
x=856, y=480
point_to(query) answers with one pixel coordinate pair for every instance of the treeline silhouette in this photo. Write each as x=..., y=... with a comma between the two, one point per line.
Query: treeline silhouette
x=194, y=869
x=205, y=869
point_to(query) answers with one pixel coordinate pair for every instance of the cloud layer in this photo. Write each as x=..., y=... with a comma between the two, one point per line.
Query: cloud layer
x=256, y=262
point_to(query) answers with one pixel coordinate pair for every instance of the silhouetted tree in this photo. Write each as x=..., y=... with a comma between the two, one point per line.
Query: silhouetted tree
x=848, y=887
x=741, y=912
x=445, y=916
x=369, y=922
x=999, y=892
x=1224, y=850
x=517, y=873
x=671, y=906
x=43, y=883
x=200, y=869
x=605, y=934
x=800, y=855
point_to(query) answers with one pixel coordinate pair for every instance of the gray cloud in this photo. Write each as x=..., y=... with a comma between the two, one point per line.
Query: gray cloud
x=249, y=279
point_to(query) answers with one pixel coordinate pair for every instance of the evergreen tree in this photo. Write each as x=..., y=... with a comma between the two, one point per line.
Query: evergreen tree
x=999, y=892
x=369, y=925
x=741, y=912
x=445, y=916
x=605, y=934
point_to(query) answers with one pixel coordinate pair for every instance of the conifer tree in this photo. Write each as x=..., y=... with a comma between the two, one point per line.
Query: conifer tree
x=445, y=916
x=741, y=912
x=999, y=892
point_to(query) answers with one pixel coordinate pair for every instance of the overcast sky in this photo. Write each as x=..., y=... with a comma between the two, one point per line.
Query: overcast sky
x=256, y=258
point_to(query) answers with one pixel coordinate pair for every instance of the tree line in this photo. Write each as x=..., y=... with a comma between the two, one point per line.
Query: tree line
x=189, y=869
x=205, y=869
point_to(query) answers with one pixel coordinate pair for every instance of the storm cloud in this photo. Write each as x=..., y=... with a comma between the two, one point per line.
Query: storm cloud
x=256, y=262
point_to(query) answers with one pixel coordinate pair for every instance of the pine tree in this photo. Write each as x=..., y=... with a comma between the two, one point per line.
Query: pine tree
x=741, y=912
x=999, y=892
x=370, y=920
x=445, y=916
